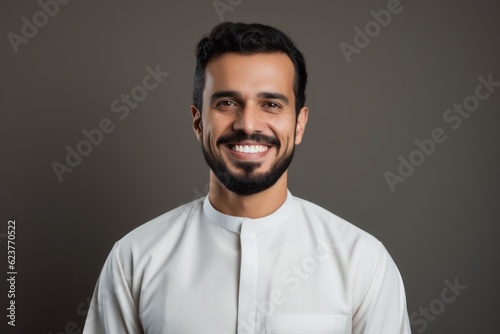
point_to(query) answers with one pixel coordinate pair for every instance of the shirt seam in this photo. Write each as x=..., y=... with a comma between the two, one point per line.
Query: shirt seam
x=372, y=279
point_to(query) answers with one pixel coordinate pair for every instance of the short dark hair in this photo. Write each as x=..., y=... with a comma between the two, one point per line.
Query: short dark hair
x=248, y=39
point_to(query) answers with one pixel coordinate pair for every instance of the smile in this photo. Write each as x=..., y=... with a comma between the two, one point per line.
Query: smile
x=249, y=148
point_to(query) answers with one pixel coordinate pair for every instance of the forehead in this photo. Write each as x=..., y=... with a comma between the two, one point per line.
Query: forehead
x=251, y=73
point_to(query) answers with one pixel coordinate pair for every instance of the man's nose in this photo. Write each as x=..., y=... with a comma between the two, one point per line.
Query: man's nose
x=249, y=120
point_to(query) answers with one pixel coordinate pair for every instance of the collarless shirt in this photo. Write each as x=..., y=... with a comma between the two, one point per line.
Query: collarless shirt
x=301, y=270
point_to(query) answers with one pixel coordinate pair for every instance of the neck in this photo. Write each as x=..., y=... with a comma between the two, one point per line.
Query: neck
x=252, y=206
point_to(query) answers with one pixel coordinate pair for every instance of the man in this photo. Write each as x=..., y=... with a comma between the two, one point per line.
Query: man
x=249, y=257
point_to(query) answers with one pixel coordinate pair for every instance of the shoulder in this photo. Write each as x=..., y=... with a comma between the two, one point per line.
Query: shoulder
x=362, y=256
x=338, y=231
x=161, y=231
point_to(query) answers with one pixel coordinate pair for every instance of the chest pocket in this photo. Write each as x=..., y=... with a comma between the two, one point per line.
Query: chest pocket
x=306, y=323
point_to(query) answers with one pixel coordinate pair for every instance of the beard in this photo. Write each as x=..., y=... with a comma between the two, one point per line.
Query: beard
x=247, y=182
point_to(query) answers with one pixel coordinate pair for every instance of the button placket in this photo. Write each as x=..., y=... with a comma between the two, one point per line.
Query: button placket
x=248, y=281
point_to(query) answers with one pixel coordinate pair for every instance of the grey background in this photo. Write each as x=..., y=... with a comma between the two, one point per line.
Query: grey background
x=441, y=223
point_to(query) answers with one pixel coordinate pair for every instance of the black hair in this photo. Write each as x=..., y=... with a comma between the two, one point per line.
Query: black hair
x=248, y=39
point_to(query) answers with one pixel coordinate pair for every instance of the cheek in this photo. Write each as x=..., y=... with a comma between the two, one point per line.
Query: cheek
x=209, y=137
x=285, y=130
x=215, y=127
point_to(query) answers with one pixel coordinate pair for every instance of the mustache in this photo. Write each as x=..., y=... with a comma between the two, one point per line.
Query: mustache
x=242, y=136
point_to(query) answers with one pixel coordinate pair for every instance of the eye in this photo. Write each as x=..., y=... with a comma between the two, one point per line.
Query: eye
x=272, y=105
x=226, y=105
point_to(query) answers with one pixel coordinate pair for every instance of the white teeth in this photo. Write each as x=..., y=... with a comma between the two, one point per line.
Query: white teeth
x=249, y=148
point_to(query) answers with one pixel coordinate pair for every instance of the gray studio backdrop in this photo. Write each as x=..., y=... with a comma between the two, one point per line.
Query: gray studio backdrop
x=402, y=140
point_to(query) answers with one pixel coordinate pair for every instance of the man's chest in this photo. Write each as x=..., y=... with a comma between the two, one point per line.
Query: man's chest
x=265, y=289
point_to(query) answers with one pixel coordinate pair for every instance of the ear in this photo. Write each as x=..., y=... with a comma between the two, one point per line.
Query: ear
x=301, y=124
x=197, y=126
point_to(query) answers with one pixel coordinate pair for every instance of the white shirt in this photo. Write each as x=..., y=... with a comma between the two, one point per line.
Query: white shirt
x=300, y=269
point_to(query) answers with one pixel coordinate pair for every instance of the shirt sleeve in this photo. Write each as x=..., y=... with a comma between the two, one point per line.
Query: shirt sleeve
x=112, y=309
x=383, y=309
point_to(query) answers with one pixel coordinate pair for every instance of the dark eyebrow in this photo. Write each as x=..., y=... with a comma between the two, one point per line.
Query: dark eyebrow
x=274, y=96
x=236, y=95
x=225, y=93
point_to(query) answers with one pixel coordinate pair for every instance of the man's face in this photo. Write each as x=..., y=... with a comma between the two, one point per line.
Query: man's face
x=248, y=126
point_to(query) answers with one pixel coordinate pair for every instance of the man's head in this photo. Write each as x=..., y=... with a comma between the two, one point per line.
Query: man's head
x=248, y=39
x=248, y=104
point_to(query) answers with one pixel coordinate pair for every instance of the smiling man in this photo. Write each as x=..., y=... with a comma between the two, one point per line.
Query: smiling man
x=248, y=130
x=250, y=257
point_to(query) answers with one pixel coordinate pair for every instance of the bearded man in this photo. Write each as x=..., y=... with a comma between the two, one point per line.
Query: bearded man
x=249, y=257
